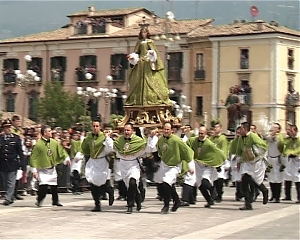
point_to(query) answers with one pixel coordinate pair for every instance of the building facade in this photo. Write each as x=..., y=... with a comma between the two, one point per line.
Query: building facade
x=262, y=61
x=95, y=42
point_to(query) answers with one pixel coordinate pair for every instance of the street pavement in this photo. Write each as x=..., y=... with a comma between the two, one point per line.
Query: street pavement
x=23, y=220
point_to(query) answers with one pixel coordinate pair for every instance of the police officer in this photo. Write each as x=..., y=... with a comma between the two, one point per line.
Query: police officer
x=11, y=159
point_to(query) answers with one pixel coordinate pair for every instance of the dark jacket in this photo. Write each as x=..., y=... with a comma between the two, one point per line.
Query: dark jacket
x=11, y=154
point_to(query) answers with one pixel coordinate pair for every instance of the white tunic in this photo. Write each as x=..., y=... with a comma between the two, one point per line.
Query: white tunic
x=224, y=167
x=167, y=174
x=117, y=170
x=47, y=176
x=97, y=170
x=287, y=174
x=255, y=169
x=205, y=172
x=274, y=158
x=190, y=179
x=236, y=175
x=294, y=164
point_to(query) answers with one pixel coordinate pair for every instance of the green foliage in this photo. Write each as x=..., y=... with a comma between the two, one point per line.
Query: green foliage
x=65, y=107
x=113, y=118
x=86, y=122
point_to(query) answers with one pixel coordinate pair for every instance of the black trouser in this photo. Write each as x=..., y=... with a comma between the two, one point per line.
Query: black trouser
x=142, y=190
x=187, y=193
x=287, y=189
x=97, y=192
x=122, y=189
x=42, y=192
x=149, y=171
x=76, y=181
x=133, y=194
x=219, y=188
x=168, y=193
x=239, y=190
x=206, y=189
x=298, y=190
x=248, y=185
x=276, y=190
x=160, y=191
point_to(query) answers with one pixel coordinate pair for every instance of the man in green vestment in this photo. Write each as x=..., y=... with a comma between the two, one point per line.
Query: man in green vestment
x=251, y=149
x=290, y=148
x=97, y=145
x=221, y=142
x=45, y=155
x=172, y=151
x=129, y=148
x=207, y=158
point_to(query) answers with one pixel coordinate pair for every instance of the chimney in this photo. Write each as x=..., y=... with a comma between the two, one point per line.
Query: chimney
x=260, y=25
x=91, y=10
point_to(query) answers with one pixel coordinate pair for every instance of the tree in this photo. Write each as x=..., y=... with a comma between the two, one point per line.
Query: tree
x=65, y=107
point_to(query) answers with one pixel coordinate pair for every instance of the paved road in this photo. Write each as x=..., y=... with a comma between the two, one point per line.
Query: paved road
x=23, y=220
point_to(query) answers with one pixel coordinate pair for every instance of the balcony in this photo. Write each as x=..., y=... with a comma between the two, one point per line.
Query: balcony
x=292, y=99
x=57, y=75
x=199, y=74
x=9, y=77
x=174, y=74
x=81, y=74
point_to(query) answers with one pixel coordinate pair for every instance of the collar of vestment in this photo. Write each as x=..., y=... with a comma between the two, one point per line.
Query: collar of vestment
x=135, y=145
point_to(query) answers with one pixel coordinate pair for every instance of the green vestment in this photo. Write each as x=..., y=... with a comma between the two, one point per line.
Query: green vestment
x=173, y=150
x=75, y=148
x=92, y=145
x=129, y=147
x=47, y=154
x=221, y=142
x=206, y=152
x=291, y=146
x=147, y=82
x=246, y=147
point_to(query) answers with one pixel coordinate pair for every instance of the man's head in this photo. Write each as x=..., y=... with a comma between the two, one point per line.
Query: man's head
x=217, y=128
x=128, y=130
x=5, y=125
x=46, y=131
x=238, y=131
x=245, y=128
x=16, y=121
x=293, y=131
x=202, y=133
x=276, y=128
x=253, y=128
x=167, y=129
x=96, y=126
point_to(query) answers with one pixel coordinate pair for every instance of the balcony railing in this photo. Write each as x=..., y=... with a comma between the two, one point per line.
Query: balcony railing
x=244, y=64
x=9, y=78
x=174, y=74
x=245, y=98
x=292, y=99
x=57, y=76
x=199, y=74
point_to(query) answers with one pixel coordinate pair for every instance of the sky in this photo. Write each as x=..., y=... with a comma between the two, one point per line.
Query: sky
x=40, y=15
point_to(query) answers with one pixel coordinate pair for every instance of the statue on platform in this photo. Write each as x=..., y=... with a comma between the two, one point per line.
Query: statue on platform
x=233, y=110
x=147, y=83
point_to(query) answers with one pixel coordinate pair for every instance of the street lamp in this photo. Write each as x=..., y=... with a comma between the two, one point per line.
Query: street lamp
x=181, y=109
x=30, y=77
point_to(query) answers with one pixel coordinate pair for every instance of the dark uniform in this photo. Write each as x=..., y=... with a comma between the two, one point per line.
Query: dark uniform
x=11, y=159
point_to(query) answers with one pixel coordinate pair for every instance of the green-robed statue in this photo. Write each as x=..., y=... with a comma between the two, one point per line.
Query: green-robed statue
x=147, y=82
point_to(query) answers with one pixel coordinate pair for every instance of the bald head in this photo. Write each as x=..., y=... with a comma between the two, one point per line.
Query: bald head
x=202, y=132
x=167, y=129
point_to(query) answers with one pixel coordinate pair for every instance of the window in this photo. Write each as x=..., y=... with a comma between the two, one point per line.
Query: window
x=199, y=102
x=244, y=58
x=36, y=65
x=118, y=66
x=175, y=64
x=58, y=68
x=9, y=67
x=116, y=106
x=87, y=64
x=99, y=25
x=10, y=104
x=291, y=59
x=292, y=97
x=291, y=116
x=81, y=27
x=200, y=61
x=32, y=114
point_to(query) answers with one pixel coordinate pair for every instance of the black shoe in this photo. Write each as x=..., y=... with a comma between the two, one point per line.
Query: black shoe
x=96, y=209
x=184, y=204
x=6, y=202
x=111, y=197
x=18, y=197
x=246, y=208
x=207, y=205
x=164, y=210
x=58, y=204
x=175, y=206
x=286, y=199
x=277, y=201
x=238, y=199
x=218, y=200
x=297, y=202
x=256, y=194
x=271, y=199
x=129, y=210
x=265, y=197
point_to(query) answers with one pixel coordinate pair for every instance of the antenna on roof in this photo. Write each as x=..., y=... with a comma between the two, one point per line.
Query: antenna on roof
x=254, y=12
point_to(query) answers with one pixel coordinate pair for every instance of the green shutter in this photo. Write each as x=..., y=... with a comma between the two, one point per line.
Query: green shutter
x=81, y=61
x=180, y=60
x=63, y=63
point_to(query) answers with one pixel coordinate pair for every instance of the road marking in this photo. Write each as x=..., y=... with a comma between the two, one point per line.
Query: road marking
x=220, y=231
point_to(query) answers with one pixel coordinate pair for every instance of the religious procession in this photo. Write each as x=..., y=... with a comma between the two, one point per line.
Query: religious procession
x=159, y=151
